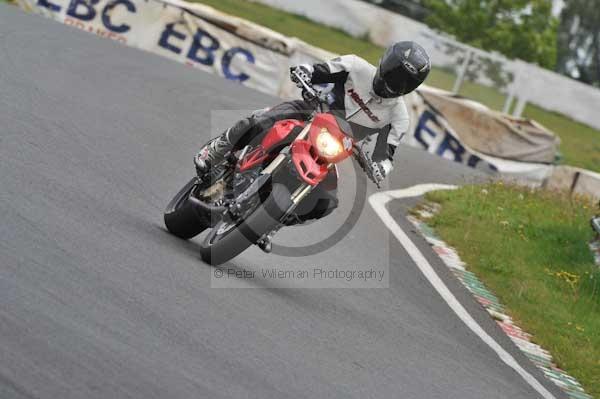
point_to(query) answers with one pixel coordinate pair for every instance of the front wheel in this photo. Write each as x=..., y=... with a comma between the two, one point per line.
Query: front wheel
x=230, y=238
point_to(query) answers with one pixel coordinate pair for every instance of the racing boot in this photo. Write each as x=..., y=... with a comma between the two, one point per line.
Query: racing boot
x=217, y=149
x=212, y=154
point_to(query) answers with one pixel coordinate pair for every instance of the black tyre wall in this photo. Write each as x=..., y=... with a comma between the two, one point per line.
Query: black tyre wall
x=264, y=219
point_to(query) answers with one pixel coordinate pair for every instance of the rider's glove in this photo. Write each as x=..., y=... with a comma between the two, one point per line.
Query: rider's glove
x=304, y=71
x=382, y=169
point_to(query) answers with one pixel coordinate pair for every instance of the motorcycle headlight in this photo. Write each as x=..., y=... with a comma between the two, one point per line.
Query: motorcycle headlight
x=327, y=145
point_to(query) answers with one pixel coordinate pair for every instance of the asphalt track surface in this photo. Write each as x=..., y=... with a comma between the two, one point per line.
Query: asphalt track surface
x=97, y=300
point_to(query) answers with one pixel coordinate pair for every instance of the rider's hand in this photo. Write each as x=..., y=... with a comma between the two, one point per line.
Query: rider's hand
x=304, y=71
x=382, y=169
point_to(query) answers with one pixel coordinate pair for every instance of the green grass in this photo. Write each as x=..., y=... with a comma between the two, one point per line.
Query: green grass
x=580, y=143
x=530, y=249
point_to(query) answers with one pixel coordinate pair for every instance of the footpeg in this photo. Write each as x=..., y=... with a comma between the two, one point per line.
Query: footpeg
x=265, y=242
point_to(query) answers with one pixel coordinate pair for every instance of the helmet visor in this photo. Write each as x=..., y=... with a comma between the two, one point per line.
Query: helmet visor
x=397, y=80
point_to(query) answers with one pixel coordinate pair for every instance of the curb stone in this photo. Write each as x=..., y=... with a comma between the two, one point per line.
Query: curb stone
x=540, y=357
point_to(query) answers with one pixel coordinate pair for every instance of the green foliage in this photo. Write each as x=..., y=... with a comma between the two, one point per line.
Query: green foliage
x=580, y=144
x=530, y=248
x=522, y=29
x=579, y=41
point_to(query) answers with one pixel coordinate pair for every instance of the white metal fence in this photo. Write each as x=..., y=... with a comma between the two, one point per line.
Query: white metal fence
x=519, y=81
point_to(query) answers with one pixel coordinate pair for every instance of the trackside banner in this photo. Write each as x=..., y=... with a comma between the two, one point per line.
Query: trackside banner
x=241, y=51
x=189, y=33
x=434, y=133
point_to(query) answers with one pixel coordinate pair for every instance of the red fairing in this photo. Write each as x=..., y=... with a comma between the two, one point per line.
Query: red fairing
x=311, y=168
x=253, y=158
x=279, y=131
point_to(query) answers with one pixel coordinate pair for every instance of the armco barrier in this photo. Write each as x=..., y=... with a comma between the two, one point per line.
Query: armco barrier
x=575, y=180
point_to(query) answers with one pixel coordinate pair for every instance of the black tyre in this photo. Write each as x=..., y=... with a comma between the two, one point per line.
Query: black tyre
x=181, y=217
x=228, y=240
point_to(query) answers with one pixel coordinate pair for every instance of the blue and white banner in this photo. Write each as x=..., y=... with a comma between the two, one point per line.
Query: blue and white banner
x=192, y=34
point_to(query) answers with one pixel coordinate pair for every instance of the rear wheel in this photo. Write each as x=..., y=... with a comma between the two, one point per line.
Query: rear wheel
x=230, y=238
x=181, y=216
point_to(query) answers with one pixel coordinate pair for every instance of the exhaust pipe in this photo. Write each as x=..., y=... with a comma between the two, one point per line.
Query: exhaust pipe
x=216, y=211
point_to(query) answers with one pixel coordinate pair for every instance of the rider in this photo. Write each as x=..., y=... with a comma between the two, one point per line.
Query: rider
x=369, y=97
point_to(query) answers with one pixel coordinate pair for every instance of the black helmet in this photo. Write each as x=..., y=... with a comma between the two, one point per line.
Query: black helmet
x=403, y=67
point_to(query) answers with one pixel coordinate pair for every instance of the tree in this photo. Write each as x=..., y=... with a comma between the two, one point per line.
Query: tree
x=579, y=41
x=522, y=29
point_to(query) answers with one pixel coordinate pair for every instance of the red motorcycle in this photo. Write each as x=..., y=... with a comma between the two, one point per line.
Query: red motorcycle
x=262, y=188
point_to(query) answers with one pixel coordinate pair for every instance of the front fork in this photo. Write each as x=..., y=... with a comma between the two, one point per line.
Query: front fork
x=301, y=192
x=297, y=196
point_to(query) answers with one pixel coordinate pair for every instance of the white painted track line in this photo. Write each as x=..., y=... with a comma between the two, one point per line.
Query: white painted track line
x=378, y=202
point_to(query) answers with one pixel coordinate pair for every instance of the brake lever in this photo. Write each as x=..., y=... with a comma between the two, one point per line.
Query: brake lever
x=306, y=87
x=372, y=177
x=308, y=92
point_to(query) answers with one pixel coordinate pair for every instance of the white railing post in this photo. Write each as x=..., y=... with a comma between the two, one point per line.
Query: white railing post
x=514, y=87
x=521, y=89
x=520, y=106
x=462, y=73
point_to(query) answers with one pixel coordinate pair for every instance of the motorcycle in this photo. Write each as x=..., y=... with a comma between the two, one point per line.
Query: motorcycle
x=254, y=192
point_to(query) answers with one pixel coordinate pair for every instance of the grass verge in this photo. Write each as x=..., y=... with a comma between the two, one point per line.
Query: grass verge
x=580, y=143
x=530, y=249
